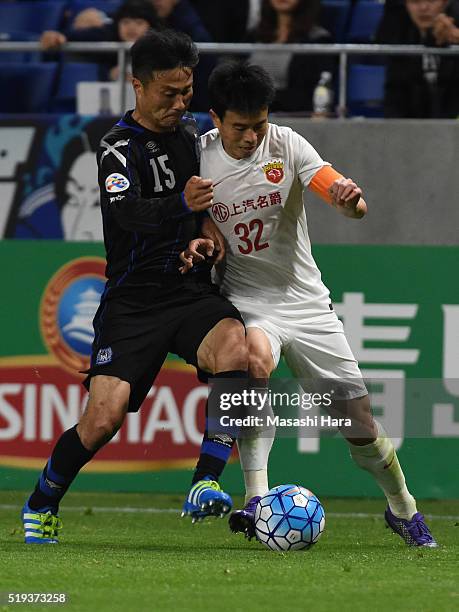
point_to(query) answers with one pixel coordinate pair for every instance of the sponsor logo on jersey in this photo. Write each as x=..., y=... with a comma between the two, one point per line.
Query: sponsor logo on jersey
x=152, y=146
x=67, y=309
x=116, y=182
x=274, y=171
x=220, y=212
x=116, y=198
x=104, y=355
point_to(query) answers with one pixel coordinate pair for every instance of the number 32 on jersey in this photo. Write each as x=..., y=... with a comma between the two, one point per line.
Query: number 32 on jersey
x=250, y=236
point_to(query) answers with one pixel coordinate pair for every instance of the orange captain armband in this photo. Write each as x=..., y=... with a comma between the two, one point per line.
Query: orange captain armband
x=322, y=181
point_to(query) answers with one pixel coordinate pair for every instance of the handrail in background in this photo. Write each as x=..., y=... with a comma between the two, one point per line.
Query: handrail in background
x=342, y=50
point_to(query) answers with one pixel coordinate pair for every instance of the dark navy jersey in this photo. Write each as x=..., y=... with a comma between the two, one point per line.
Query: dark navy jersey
x=147, y=224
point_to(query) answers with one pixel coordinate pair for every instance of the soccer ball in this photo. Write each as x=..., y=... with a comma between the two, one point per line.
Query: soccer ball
x=289, y=517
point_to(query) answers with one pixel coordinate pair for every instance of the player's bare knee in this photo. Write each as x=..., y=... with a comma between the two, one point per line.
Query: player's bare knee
x=360, y=410
x=224, y=348
x=363, y=430
x=205, y=357
x=232, y=354
x=260, y=366
x=106, y=425
x=100, y=427
x=105, y=412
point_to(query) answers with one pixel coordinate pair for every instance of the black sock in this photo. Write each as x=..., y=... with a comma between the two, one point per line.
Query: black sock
x=68, y=457
x=216, y=447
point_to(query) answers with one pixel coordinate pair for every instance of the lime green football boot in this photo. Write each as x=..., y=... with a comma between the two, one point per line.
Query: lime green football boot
x=40, y=527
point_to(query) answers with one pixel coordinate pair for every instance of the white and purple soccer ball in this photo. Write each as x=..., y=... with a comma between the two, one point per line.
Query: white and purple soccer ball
x=289, y=517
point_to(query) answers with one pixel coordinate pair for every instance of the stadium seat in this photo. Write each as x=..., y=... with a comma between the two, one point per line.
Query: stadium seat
x=334, y=16
x=364, y=21
x=365, y=90
x=26, y=88
x=72, y=73
x=19, y=56
x=31, y=16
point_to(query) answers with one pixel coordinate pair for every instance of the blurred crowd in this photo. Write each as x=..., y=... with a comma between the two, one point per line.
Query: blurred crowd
x=414, y=86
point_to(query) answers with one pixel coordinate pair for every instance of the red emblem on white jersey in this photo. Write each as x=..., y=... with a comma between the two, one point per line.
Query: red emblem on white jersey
x=221, y=212
x=274, y=171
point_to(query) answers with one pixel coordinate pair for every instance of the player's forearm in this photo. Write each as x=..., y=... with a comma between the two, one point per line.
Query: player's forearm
x=145, y=215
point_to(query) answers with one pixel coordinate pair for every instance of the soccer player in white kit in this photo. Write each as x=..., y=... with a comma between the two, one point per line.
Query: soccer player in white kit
x=260, y=173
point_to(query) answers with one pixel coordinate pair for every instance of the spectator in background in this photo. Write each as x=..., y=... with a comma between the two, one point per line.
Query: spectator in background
x=254, y=14
x=295, y=76
x=180, y=15
x=90, y=18
x=132, y=20
x=177, y=14
x=225, y=21
x=421, y=86
x=446, y=29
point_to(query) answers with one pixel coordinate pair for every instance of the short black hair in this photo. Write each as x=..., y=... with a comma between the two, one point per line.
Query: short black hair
x=164, y=49
x=241, y=87
x=137, y=9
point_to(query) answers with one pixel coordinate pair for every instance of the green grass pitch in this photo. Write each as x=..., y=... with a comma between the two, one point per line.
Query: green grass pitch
x=132, y=552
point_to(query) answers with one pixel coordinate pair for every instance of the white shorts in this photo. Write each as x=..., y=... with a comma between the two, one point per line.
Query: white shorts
x=314, y=347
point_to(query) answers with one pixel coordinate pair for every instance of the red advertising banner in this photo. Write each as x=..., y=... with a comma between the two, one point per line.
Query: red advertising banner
x=41, y=395
x=41, y=400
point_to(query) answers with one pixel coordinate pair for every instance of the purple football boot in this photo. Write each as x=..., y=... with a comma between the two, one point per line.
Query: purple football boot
x=244, y=520
x=415, y=532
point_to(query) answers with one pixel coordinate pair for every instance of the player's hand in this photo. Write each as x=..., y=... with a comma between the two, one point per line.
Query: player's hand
x=197, y=251
x=345, y=196
x=198, y=193
x=210, y=230
x=52, y=40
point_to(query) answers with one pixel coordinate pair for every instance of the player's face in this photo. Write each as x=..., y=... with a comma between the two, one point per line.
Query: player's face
x=423, y=12
x=161, y=102
x=241, y=134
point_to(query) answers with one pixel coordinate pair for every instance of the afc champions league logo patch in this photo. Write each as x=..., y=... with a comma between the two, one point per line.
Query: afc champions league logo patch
x=116, y=182
x=274, y=171
x=220, y=212
x=68, y=305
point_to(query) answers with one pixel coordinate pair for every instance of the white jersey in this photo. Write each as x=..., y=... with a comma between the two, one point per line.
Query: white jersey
x=258, y=206
x=269, y=272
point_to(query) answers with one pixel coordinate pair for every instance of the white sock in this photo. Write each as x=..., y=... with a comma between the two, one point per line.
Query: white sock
x=380, y=459
x=253, y=454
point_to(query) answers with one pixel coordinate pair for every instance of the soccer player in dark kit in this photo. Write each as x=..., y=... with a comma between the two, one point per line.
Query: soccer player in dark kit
x=152, y=201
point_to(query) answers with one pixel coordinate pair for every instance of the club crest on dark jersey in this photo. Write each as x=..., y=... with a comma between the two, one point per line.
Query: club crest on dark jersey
x=274, y=171
x=152, y=146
